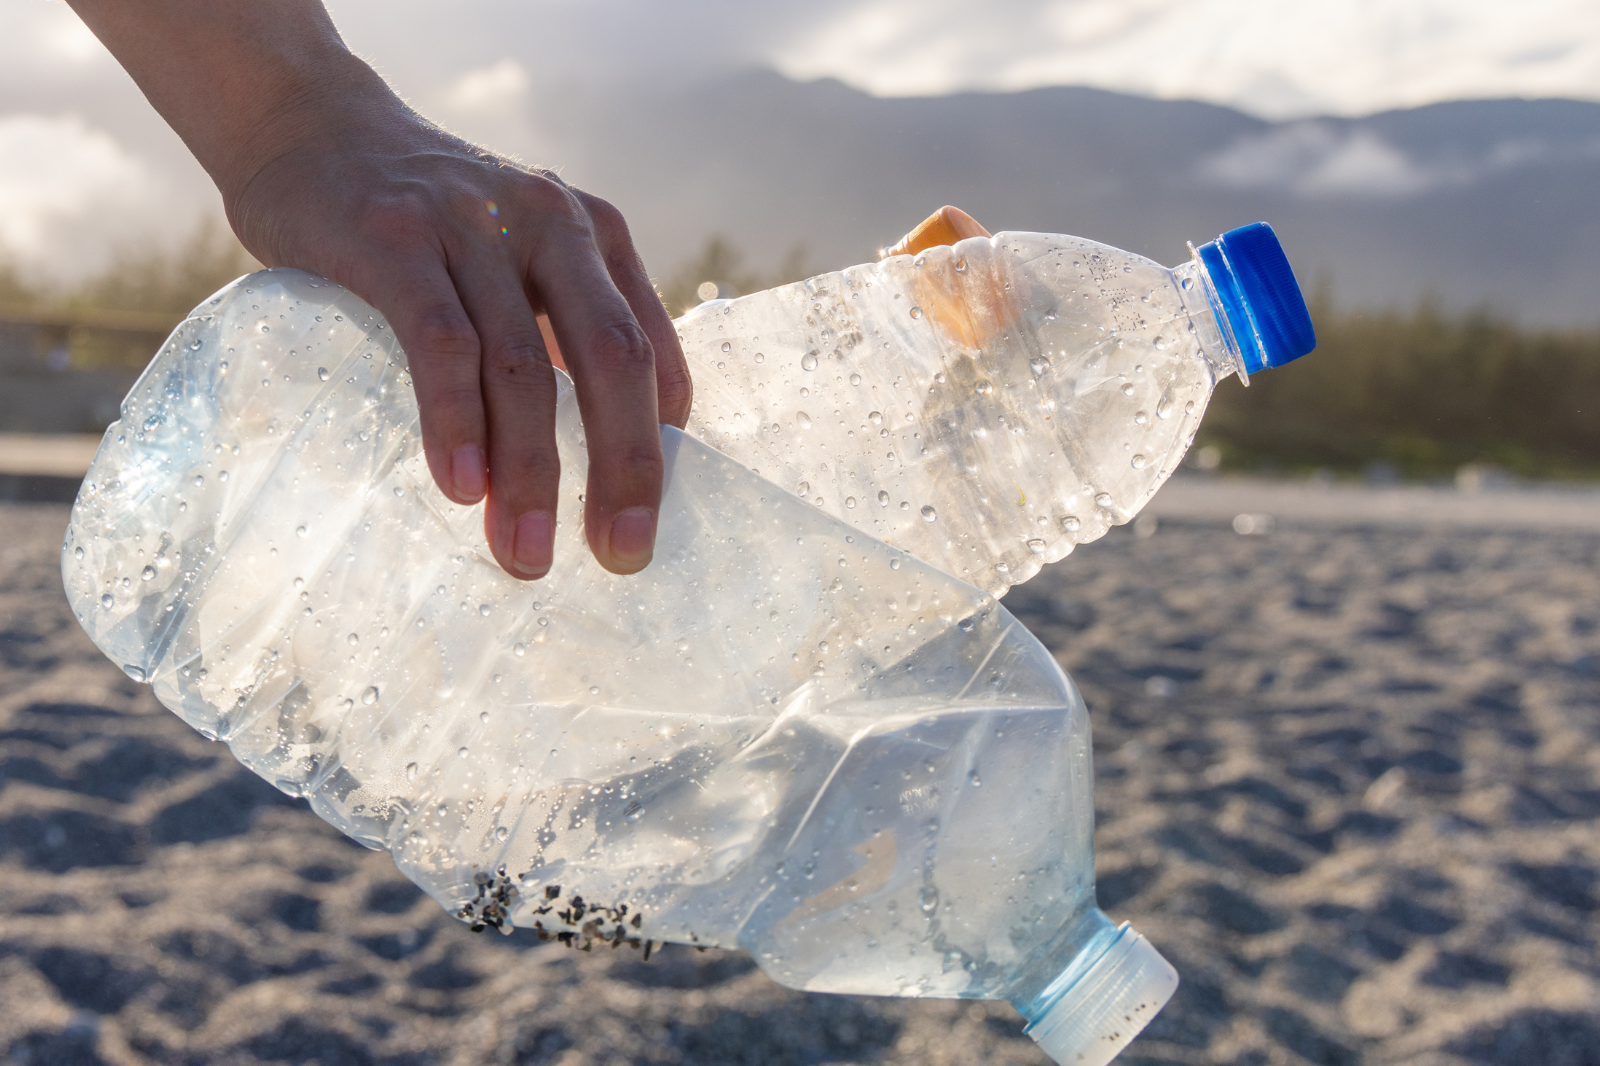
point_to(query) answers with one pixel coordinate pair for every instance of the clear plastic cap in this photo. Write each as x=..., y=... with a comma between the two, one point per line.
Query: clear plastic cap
x=1100, y=1012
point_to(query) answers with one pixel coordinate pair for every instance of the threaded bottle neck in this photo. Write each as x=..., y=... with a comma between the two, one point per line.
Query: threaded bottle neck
x=1212, y=329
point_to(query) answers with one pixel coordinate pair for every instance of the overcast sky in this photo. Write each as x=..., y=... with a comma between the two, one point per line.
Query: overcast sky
x=86, y=167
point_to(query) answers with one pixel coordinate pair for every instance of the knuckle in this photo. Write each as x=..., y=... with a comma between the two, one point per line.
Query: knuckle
x=676, y=392
x=637, y=462
x=442, y=330
x=516, y=359
x=622, y=347
x=607, y=220
x=550, y=197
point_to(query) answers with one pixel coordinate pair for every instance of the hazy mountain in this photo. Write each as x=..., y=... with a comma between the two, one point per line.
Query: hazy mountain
x=1480, y=201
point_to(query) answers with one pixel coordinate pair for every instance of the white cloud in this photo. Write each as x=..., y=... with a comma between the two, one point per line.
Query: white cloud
x=1320, y=158
x=64, y=36
x=497, y=71
x=68, y=192
x=1264, y=56
x=502, y=87
x=1315, y=159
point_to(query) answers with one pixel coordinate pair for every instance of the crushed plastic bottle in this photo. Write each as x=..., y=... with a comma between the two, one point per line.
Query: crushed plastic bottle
x=783, y=736
x=989, y=405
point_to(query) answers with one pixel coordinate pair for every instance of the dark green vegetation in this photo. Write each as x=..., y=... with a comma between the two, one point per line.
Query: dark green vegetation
x=1424, y=392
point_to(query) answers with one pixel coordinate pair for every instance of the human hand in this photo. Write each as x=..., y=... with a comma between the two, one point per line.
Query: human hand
x=322, y=167
x=461, y=250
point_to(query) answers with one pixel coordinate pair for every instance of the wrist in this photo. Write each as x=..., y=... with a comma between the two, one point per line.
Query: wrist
x=311, y=104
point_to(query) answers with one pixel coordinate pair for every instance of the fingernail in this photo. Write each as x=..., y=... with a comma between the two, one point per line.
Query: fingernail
x=533, y=546
x=468, y=473
x=633, y=535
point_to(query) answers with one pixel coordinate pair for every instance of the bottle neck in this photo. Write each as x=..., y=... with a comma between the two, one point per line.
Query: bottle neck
x=1216, y=338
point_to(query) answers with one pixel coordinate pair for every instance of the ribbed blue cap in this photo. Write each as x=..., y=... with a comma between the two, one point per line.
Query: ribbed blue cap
x=1259, y=295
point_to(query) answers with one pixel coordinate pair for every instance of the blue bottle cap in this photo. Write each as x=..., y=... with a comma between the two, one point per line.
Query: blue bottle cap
x=1259, y=296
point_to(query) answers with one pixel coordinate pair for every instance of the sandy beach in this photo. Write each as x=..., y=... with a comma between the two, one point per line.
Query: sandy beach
x=1348, y=782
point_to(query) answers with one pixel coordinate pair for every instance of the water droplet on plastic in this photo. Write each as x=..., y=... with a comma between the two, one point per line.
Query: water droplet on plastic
x=199, y=480
x=77, y=553
x=483, y=609
x=928, y=900
x=961, y=265
x=966, y=624
x=802, y=488
x=1188, y=408
x=875, y=417
x=916, y=312
x=727, y=347
x=519, y=650
x=594, y=690
x=983, y=388
x=894, y=564
x=883, y=499
x=1036, y=546
x=849, y=501
x=411, y=771
x=107, y=600
x=808, y=361
x=1127, y=389
x=501, y=833
x=300, y=531
x=802, y=420
x=354, y=639
x=972, y=779
x=370, y=696
x=1164, y=407
x=1141, y=418
x=929, y=514
x=148, y=573
x=135, y=672
x=855, y=379
x=1103, y=499
x=322, y=373
x=1138, y=462
x=1039, y=364
x=760, y=358
x=1071, y=524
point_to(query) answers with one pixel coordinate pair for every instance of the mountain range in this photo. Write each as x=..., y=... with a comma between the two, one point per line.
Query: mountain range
x=1474, y=203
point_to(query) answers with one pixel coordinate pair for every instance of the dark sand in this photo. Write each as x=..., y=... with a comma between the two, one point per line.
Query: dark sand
x=1348, y=784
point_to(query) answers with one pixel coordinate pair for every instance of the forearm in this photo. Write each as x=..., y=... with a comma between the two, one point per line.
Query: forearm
x=241, y=81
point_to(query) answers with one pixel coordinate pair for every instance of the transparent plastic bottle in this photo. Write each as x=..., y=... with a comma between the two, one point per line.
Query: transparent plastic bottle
x=989, y=405
x=784, y=735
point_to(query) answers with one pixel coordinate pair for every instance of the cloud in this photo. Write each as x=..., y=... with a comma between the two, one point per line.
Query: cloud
x=499, y=71
x=1316, y=159
x=498, y=88
x=1325, y=159
x=67, y=192
x=1272, y=59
